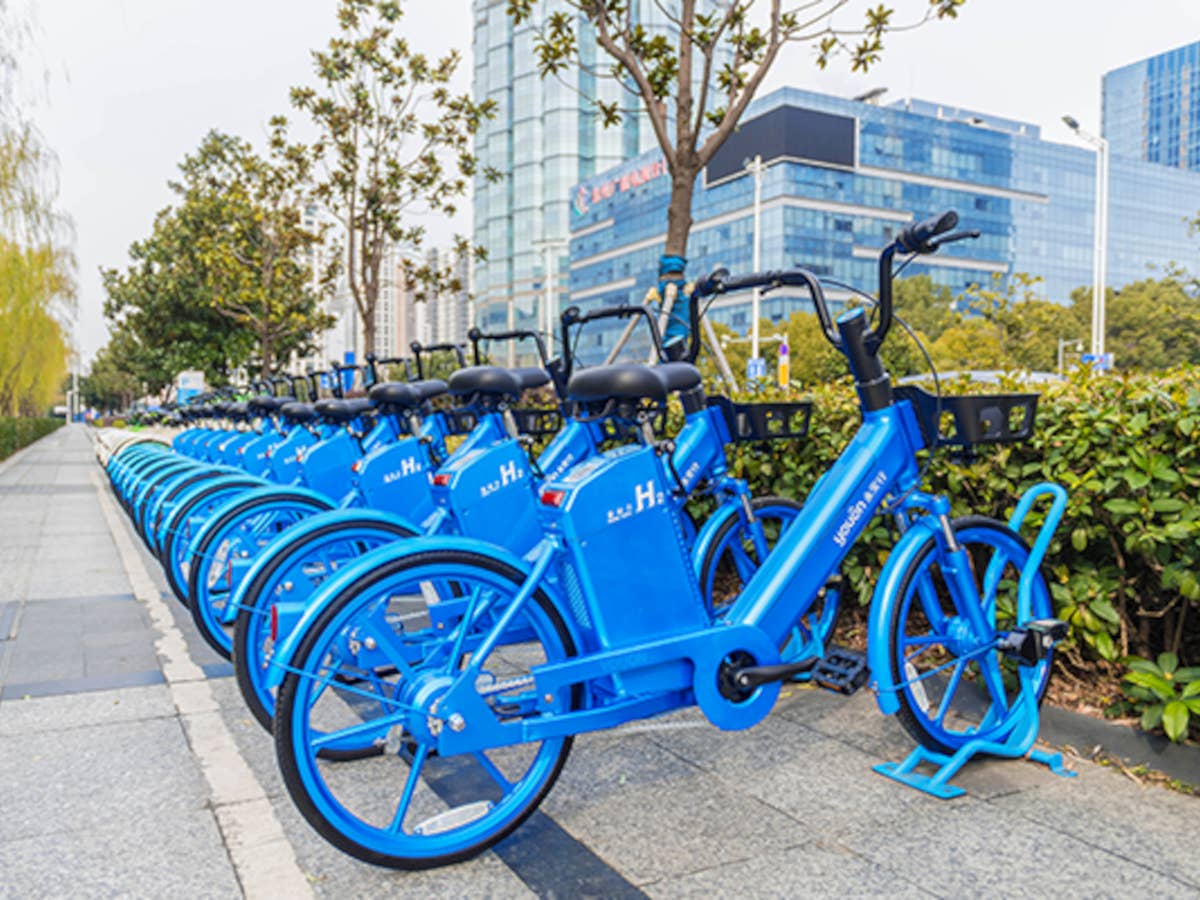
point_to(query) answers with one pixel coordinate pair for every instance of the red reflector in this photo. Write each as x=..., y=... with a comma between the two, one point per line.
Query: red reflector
x=356, y=466
x=553, y=498
x=441, y=479
x=274, y=623
x=229, y=573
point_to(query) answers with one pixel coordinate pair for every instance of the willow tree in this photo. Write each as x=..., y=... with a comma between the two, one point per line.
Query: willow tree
x=695, y=78
x=36, y=268
x=394, y=147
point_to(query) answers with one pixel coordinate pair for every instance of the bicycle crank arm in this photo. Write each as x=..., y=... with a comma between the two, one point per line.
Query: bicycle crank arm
x=753, y=676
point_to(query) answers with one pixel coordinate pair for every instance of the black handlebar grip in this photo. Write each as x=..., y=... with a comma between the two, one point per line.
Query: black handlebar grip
x=913, y=237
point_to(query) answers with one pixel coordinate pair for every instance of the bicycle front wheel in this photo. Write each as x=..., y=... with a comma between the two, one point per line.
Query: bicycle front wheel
x=956, y=686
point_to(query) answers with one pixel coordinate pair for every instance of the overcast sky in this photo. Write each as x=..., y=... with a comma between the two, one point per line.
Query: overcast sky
x=134, y=84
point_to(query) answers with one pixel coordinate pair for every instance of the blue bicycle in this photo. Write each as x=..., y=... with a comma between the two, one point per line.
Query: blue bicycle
x=603, y=622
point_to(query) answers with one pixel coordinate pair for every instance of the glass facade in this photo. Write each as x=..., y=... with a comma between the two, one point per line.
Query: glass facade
x=1031, y=199
x=544, y=138
x=1152, y=109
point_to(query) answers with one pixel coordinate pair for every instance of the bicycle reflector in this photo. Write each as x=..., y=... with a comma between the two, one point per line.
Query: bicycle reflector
x=441, y=479
x=274, y=622
x=357, y=465
x=553, y=498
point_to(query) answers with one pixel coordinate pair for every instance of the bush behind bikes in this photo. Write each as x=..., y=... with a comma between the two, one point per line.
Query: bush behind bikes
x=16, y=433
x=1124, y=567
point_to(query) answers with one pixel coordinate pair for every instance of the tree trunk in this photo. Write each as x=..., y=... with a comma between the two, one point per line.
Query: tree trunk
x=268, y=356
x=369, y=333
x=679, y=213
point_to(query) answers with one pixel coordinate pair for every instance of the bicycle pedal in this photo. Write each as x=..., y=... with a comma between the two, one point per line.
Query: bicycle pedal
x=841, y=670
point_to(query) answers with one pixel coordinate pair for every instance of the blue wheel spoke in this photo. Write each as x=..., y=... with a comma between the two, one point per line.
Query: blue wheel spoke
x=380, y=724
x=493, y=770
x=410, y=786
x=951, y=690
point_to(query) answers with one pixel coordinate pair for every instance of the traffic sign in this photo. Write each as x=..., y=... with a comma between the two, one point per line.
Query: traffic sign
x=756, y=368
x=1101, y=361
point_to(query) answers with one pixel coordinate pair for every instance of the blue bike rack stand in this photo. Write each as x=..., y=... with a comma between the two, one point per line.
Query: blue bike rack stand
x=1019, y=740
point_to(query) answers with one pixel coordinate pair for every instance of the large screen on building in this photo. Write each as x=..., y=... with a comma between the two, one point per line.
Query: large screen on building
x=805, y=134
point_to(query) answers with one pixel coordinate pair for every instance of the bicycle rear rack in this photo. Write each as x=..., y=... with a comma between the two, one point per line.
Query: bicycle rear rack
x=1018, y=741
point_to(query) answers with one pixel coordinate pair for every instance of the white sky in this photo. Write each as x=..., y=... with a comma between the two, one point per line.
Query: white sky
x=134, y=84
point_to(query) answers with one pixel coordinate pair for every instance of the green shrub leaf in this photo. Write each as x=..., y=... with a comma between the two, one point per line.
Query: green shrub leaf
x=1175, y=720
x=1151, y=717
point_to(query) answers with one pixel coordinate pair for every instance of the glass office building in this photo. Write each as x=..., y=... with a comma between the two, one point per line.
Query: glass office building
x=544, y=138
x=843, y=176
x=1152, y=109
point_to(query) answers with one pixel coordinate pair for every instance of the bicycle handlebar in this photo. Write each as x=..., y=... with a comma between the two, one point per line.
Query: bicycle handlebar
x=922, y=237
x=474, y=335
x=418, y=348
x=573, y=318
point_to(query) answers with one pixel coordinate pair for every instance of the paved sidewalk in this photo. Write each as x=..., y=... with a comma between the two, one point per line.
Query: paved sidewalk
x=106, y=787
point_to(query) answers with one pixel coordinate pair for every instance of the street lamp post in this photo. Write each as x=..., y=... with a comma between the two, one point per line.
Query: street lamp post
x=1063, y=344
x=755, y=167
x=550, y=247
x=1100, y=251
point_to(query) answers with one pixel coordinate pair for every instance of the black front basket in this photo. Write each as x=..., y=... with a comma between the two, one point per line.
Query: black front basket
x=969, y=420
x=537, y=422
x=764, y=421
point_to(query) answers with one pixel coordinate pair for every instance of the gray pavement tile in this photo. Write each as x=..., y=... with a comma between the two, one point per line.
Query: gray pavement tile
x=1146, y=824
x=84, y=710
x=99, y=777
x=981, y=849
x=25, y=667
x=855, y=720
x=800, y=773
x=102, y=578
x=651, y=816
x=809, y=870
x=175, y=855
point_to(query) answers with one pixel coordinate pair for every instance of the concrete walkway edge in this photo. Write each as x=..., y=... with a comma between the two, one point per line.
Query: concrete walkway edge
x=262, y=856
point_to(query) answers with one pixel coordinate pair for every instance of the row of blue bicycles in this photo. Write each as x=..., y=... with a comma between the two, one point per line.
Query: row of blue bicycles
x=429, y=590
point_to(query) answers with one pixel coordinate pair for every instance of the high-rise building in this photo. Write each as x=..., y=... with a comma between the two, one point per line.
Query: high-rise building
x=544, y=138
x=841, y=177
x=1152, y=109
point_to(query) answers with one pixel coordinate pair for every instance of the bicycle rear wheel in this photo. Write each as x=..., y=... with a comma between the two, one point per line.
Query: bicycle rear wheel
x=410, y=807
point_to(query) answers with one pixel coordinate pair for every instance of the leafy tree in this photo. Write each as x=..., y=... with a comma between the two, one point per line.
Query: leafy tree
x=109, y=384
x=1151, y=324
x=1006, y=328
x=394, y=144
x=36, y=275
x=164, y=304
x=246, y=213
x=695, y=88
x=928, y=308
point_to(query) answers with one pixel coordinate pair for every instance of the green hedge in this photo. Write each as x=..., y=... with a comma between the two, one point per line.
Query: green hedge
x=18, y=433
x=1125, y=564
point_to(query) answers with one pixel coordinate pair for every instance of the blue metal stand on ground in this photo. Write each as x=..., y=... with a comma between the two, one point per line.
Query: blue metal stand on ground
x=1019, y=740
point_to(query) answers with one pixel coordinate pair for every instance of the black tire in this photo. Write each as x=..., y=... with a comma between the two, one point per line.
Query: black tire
x=251, y=598
x=180, y=515
x=285, y=751
x=196, y=572
x=171, y=495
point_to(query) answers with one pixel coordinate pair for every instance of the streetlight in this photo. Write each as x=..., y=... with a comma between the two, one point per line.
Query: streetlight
x=550, y=246
x=1100, y=253
x=755, y=167
x=1063, y=344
